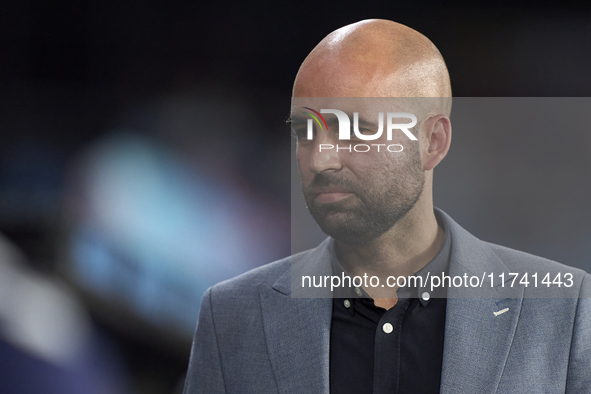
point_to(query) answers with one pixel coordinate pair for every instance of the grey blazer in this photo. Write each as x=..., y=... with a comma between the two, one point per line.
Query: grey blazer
x=253, y=336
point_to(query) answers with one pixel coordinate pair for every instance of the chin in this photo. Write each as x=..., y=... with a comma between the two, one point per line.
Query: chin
x=351, y=238
x=338, y=226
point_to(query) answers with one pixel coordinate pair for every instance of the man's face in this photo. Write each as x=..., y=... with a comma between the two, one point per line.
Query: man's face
x=355, y=197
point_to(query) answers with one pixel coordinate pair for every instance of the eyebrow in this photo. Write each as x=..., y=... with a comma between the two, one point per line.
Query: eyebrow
x=302, y=119
x=363, y=123
x=296, y=119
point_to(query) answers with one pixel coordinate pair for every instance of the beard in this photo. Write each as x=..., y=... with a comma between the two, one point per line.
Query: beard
x=375, y=206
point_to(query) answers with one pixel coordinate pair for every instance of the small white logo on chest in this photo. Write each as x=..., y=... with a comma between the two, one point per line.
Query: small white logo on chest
x=501, y=312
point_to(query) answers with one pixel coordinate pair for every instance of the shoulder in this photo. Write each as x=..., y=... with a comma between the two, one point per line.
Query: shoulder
x=246, y=285
x=519, y=261
x=477, y=255
x=540, y=277
x=552, y=279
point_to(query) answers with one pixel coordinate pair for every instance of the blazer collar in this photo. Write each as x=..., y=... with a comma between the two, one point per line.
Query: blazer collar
x=297, y=334
x=477, y=337
x=315, y=262
x=297, y=324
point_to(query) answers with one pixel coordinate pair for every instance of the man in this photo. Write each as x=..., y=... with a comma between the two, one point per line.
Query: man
x=271, y=331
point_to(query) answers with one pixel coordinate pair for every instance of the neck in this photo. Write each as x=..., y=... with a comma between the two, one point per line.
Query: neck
x=404, y=249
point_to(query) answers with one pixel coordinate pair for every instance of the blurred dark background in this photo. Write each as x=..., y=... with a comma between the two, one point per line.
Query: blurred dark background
x=144, y=157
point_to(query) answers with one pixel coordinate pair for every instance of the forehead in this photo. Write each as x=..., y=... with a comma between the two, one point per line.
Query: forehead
x=339, y=78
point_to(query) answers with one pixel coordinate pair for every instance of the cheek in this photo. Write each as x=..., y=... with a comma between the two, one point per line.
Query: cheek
x=373, y=170
x=375, y=155
x=302, y=159
x=364, y=165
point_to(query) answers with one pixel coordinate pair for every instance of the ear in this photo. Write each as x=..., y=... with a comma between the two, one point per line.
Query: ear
x=436, y=141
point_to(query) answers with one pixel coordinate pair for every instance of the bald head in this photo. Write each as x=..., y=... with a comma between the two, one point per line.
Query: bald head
x=374, y=58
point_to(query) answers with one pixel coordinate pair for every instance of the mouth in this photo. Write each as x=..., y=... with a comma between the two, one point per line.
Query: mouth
x=327, y=195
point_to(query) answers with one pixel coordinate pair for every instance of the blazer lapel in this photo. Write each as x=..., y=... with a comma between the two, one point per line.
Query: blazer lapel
x=480, y=323
x=297, y=330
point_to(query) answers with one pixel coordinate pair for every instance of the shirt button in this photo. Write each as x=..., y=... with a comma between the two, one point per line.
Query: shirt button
x=387, y=328
x=426, y=296
x=347, y=303
x=358, y=291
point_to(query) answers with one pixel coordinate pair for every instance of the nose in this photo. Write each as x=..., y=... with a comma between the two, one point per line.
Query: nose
x=325, y=155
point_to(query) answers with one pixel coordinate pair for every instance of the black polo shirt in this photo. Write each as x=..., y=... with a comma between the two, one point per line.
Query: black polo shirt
x=400, y=350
